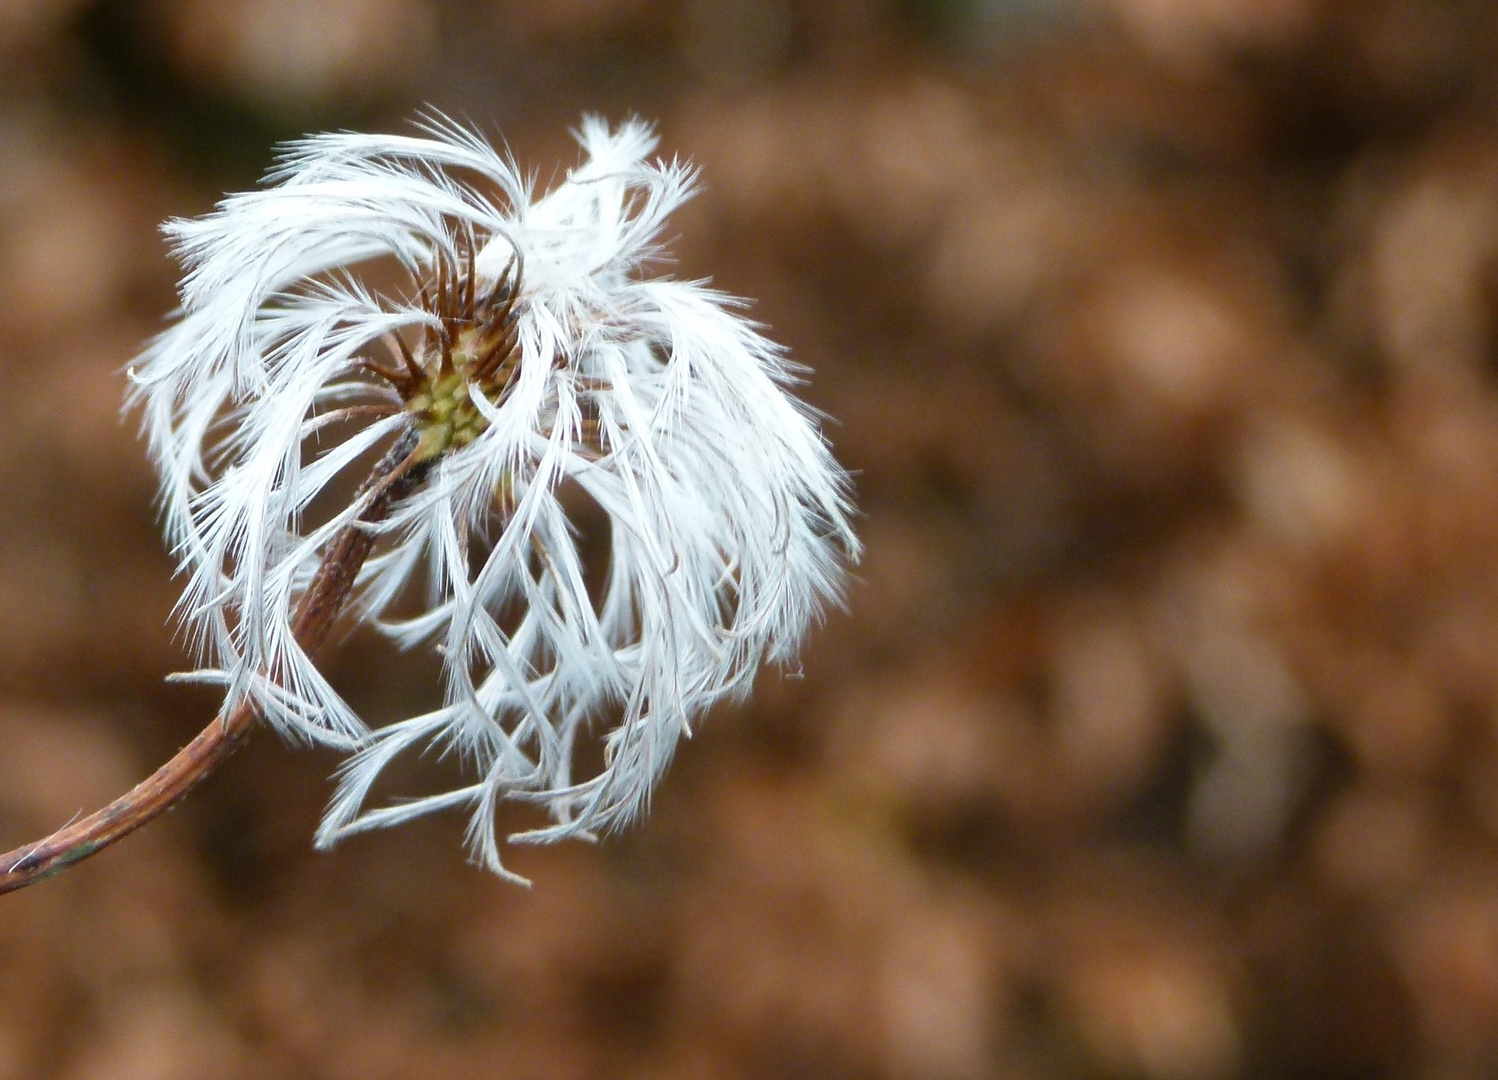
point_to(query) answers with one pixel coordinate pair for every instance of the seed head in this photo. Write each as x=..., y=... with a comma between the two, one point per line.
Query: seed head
x=415, y=294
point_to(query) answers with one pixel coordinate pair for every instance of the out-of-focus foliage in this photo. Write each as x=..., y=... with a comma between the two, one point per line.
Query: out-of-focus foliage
x=1161, y=737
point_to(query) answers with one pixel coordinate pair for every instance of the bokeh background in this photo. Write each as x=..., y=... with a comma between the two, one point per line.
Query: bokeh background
x=1159, y=740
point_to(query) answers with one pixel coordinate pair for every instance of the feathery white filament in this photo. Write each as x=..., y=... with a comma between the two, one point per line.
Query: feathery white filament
x=728, y=517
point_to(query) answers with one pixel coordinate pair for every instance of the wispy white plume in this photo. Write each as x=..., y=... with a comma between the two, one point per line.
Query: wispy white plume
x=526, y=352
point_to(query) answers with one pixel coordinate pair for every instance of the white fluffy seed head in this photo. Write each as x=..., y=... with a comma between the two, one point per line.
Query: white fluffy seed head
x=728, y=518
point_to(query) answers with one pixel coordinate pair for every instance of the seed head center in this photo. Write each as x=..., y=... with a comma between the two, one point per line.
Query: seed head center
x=469, y=349
x=442, y=405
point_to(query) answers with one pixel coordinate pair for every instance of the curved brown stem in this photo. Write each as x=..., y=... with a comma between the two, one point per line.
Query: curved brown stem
x=397, y=475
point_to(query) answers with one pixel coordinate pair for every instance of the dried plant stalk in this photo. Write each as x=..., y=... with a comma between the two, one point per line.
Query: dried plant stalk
x=398, y=473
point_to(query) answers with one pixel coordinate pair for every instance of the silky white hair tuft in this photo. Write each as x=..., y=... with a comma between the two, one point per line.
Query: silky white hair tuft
x=728, y=519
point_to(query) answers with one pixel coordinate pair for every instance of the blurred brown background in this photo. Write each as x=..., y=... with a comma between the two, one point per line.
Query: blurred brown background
x=1160, y=740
